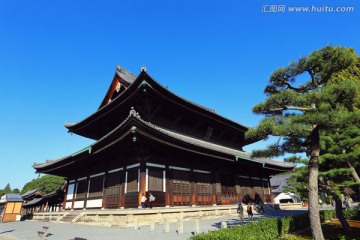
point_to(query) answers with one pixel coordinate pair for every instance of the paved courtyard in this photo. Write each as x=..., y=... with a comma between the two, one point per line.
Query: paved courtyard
x=27, y=230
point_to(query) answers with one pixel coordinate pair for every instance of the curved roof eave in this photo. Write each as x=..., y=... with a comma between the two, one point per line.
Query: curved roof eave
x=133, y=115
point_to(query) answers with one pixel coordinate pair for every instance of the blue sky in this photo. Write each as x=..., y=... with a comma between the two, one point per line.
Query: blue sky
x=57, y=59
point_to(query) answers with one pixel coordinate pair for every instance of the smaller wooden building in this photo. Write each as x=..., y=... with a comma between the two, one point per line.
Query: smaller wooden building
x=37, y=201
x=10, y=207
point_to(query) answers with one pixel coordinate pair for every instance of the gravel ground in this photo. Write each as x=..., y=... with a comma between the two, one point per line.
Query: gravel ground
x=27, y=230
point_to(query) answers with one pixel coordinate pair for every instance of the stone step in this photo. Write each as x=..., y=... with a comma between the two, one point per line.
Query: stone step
x=68, y=217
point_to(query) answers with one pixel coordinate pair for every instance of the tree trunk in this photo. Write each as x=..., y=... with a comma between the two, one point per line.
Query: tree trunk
x=354, y=173
x=314, y=215
x=338, y=209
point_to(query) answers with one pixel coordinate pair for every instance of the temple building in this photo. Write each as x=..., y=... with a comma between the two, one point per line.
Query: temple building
x=37, y=201
x=149, y=140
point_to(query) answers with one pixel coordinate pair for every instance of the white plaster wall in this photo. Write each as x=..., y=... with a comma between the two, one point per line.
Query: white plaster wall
x=79, y=204
x=68, y=205
x=94, y=203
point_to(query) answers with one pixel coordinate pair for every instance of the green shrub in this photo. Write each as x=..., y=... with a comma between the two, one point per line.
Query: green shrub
x=326, y=215
x=264, y=229
x=272, y=228
x=352, y=213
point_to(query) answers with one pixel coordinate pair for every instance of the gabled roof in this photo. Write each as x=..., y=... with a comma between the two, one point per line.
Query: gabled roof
x=280, y=182
x=12, y=197
x=145, y=82
x=123, y=78
x=31, y=192
x=125, y=75
x=134, y=127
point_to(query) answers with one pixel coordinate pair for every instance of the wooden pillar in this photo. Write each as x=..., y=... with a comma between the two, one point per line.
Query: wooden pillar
x=122, y=187
x=237, y=189
x=87, y=190
x=167, y=185
x=252, y=188
x=263, y=189
x=192, y=188
x=46, y=206
x=103, y=205
x=74, y=194
x=270, y=192
x=65, y=194
x=142, y=188
x=213, y=187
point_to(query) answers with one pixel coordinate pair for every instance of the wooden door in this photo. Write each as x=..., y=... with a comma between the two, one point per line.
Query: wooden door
x=112, y=192
x=227, y=189
x=203, y=187
x=181, y=188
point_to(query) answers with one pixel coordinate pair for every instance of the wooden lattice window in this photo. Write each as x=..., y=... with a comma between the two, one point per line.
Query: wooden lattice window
x=181, y=187
x=132, y=180
x=81, y=189
x=204, y=190
x=96, y=187
x=155, y=180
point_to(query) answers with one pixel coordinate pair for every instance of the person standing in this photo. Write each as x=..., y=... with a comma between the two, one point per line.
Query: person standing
x=143, y=199
x=151, y=199
x=250, y=212
x=346, y=203
x=240, y=211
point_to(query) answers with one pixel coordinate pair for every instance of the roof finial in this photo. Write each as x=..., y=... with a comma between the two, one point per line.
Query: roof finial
x=132, y=112
x=118, y=68
x=143, y=68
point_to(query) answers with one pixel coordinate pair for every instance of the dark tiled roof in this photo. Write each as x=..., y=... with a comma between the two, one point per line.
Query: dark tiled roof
x=13, y=197
x=279, y=181
x=32, y=202
x=216, y=147
x=125, y=75
x=131, y=78
x=184, y=138
x=30, y=192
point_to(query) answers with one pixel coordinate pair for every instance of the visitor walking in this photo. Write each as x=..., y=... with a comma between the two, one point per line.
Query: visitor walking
x=250, y=212
x=151, y=199
x=240, y=211
x=261, y=207
x=143, y=199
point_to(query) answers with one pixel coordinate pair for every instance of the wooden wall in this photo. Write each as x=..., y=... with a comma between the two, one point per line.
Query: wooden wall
x=12, y=209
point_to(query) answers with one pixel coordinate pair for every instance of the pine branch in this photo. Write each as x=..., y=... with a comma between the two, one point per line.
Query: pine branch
x=292, y=108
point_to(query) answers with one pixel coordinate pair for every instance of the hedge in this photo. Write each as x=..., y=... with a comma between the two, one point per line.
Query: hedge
x=271, y=228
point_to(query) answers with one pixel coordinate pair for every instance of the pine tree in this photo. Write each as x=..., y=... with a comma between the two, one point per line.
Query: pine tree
x=298, y=110
x=7, y=188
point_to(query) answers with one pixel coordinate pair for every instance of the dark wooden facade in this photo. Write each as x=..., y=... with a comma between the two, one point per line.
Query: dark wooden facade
x=149, y=140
